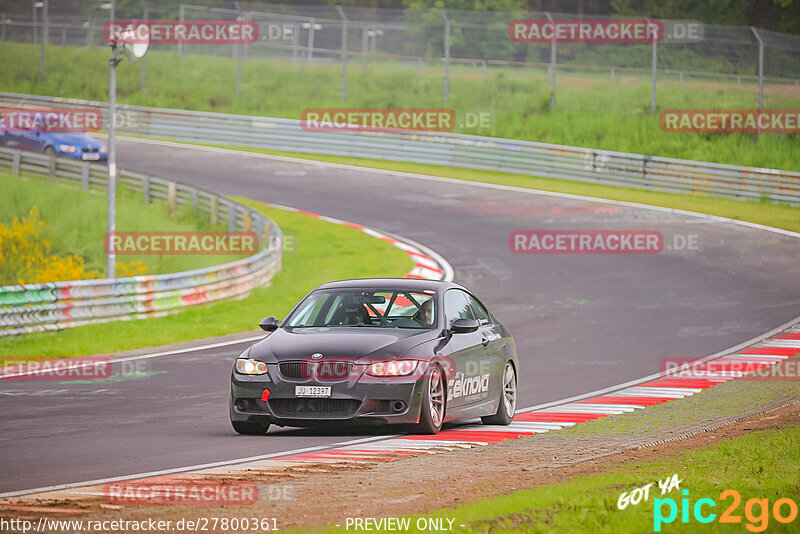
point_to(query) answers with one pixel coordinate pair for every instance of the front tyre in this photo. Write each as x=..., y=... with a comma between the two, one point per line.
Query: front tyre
x=508, y=399
x=433, y=403
x=250, y=429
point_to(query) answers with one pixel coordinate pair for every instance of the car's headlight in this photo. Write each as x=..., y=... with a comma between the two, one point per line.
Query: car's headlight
x=392, y=368
x=67, y=148
x=247, y=366
x=103, y=149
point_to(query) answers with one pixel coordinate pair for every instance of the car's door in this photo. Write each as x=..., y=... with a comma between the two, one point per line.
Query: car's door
x=470, y=383
x=491, y=338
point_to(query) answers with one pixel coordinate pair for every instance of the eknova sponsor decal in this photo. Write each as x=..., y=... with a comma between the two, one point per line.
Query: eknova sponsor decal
x=181, y=243
x=50, y=120
x=87, y=368
x=181, y=31
x=730, y=121
x=180, y=493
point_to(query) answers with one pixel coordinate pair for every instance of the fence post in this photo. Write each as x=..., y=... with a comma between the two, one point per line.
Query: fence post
x=344, y=53
x=3, y=30
x=680, y=81
x=446, y=56
x=553, y=59
x=34, y=24
x=45, y=36
x=144, y=59
x=653, y=83
x=612, y=75
x=181, y=16
x=85, y=176
x=760, y=77
x=363, y=49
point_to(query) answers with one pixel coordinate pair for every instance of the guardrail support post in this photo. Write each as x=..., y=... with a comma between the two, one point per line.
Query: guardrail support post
x=231, y=218
x=214, y=210
x=172, y=193
x=146, y=189
x=247, y=221
x=85, y=176
x=15, y=162
x=194, y=200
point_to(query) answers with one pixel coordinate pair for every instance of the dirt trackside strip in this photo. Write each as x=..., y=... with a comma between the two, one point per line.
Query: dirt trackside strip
x=328, y=492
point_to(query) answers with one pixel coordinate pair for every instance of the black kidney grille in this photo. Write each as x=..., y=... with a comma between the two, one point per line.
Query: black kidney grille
x=319, y=370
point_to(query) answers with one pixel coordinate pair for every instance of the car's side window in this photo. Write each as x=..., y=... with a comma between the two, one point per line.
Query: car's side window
x=480, y=312
x=456, y=306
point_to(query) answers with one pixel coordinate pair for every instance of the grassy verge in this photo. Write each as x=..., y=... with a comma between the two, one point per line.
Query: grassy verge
x=322, y=252
x=591, y=111
x=763, y=212
x=761, y=465
x=75, y=223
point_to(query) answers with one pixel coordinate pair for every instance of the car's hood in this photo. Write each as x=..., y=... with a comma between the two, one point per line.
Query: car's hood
x=343, y=342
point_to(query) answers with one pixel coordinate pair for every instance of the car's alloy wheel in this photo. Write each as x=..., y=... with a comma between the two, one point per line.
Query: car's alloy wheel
x=433, y=403
x=508, y=399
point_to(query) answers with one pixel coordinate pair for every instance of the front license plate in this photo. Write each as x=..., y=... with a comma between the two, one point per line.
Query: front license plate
x=91, y=156
x=312, y=391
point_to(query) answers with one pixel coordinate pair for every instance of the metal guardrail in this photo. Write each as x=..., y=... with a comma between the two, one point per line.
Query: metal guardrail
x=58, y=305
x=448, y=149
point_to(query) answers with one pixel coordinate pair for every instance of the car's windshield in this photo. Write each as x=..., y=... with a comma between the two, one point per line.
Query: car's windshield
x=384, y=308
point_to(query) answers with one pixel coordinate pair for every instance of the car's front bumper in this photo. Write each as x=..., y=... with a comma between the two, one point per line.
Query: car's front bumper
x=390, y=400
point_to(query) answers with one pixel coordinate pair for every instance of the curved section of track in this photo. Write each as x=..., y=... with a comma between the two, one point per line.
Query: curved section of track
x=582, y=322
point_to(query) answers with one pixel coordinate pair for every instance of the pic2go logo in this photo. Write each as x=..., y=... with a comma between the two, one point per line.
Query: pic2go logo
x=756, y=511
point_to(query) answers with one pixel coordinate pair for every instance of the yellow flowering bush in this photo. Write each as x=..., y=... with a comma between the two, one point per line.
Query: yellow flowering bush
x=25, y=256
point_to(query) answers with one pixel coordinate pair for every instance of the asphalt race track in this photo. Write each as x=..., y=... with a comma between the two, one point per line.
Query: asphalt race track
x=581, y=321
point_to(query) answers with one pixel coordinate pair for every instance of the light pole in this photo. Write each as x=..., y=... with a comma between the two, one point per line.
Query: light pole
x=131, y=45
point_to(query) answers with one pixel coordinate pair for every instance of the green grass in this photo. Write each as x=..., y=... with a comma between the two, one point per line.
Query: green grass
x=322, y=252
x=76, y=222
x=761, y=212
x=761, y=465
x=590, y=111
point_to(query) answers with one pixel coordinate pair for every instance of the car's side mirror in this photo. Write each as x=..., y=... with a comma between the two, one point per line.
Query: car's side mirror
x=464, y=326
x=269, y=324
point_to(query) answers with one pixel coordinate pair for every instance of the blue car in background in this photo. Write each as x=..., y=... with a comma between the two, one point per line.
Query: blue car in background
x=75, y=145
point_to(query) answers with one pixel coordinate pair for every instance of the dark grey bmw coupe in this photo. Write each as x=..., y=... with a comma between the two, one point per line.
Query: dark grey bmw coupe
x=380, y=351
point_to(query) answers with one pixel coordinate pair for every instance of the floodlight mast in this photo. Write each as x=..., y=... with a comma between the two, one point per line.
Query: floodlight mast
x=132, y=45
x=111, y=222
